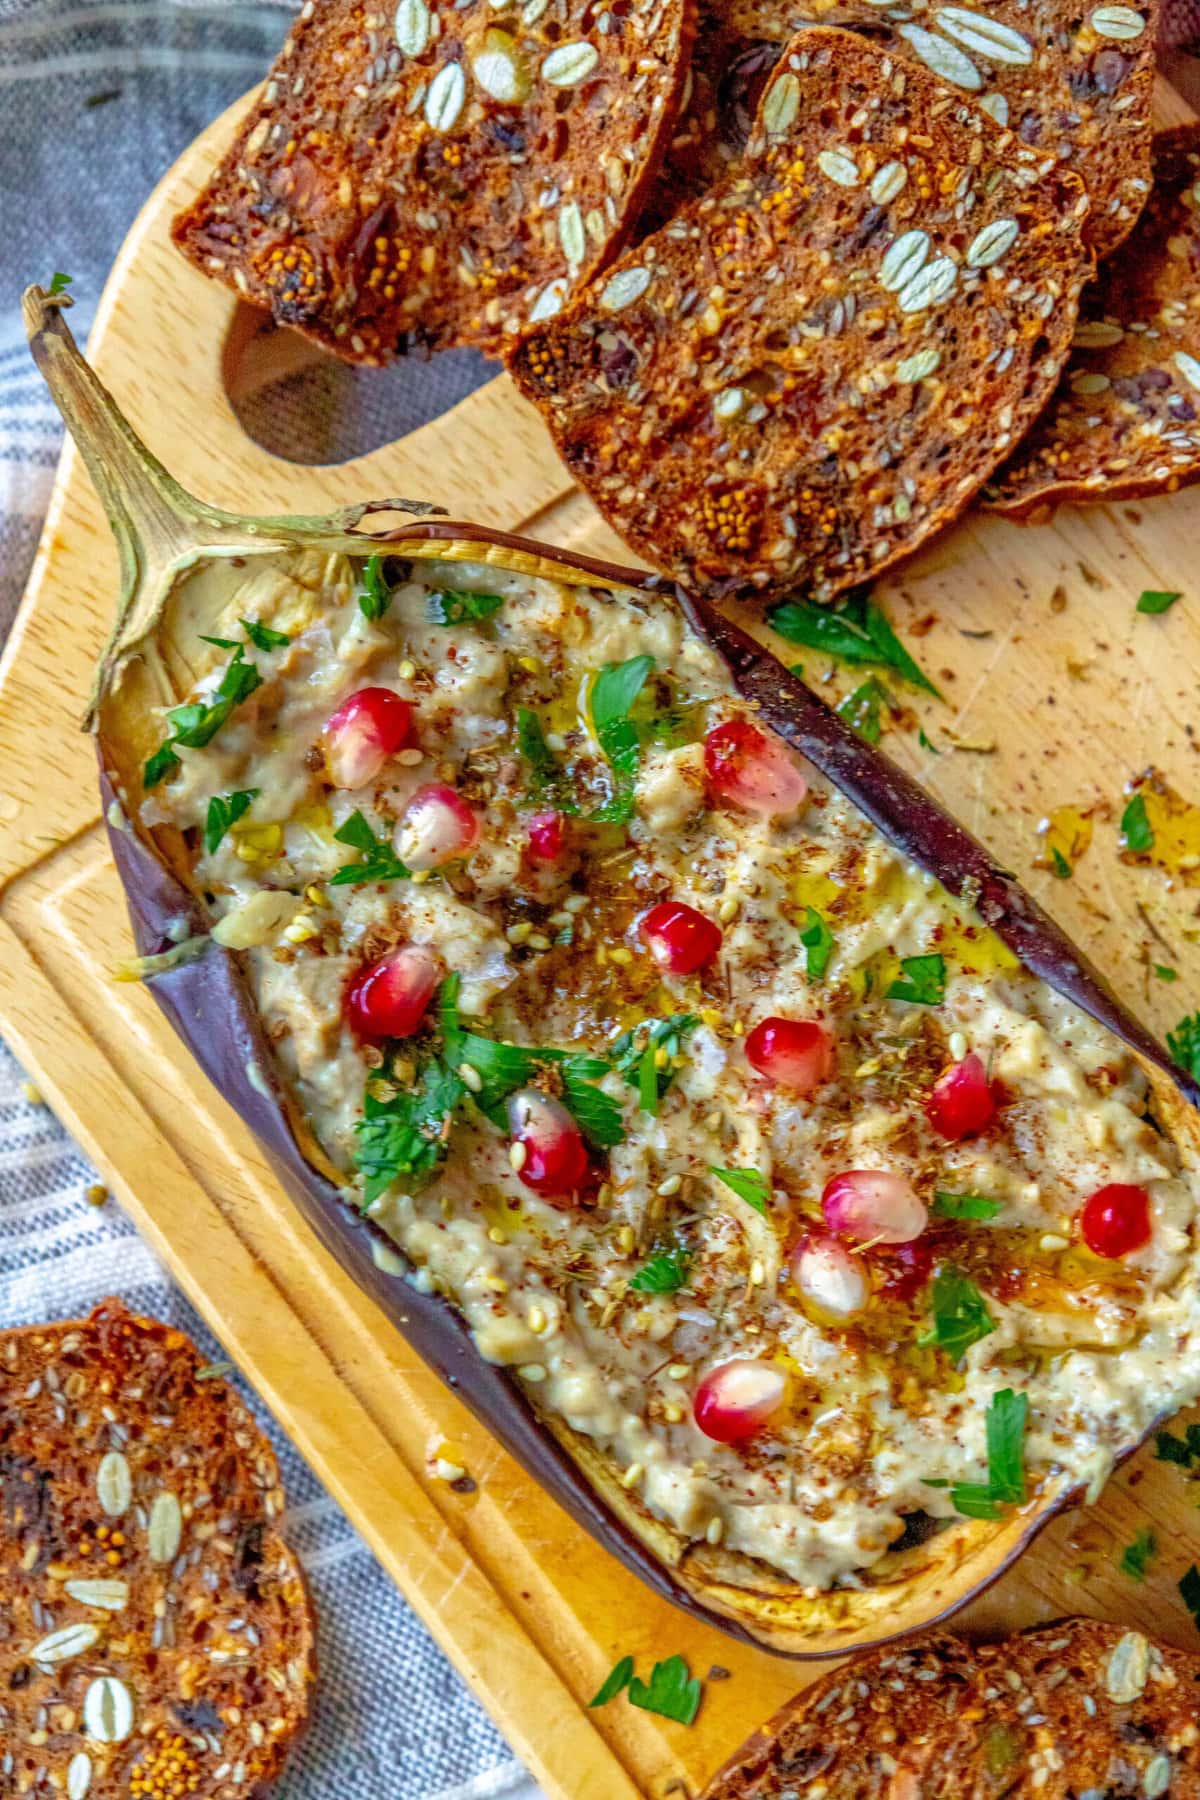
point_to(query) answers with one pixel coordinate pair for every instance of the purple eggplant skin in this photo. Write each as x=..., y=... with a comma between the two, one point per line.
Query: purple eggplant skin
x=209, y=1004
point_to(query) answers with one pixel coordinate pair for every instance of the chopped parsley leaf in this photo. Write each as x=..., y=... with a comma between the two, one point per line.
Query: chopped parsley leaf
x=1136, y=829
x=1059, y=863
x=670, y=1691
x=923, y=981
x=1184, y=1450
x=857, y=632
x=965, y=1206
x=635, y=1055
x=451, y=607
x=1006, y=1418
x=862, y=709
x=818, y=943
x=548, y=780
x=377, y=860
x=376, y=595
x=264, y=637
x=1184, y=1044
x=617, y=1678
x=197, y=723
x=926, y=743
x=1165, y=973
x=1189, y=1592
x=596, y=1113
x=1151, y=602
x=610, y=700
x=662, y=1274
x=225, y=810
x=59, y=283
x=748, y=1184
x=1138, y=1555
x=408, y=1133
x=960, y=1314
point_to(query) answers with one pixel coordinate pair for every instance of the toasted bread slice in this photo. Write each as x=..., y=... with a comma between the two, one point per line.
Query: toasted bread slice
x=1074, y=83
x=434, y=177
x=1125, y=420
x=155, y=1633
x=815, y=365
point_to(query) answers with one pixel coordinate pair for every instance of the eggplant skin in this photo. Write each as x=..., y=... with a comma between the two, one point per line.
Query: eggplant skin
x=208, y=1002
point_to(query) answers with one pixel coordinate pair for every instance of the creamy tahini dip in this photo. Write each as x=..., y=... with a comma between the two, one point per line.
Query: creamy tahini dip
x=551, y=956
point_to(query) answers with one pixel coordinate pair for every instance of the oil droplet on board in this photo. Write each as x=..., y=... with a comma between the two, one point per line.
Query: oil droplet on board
x=1065, y=833
x=1172, y=825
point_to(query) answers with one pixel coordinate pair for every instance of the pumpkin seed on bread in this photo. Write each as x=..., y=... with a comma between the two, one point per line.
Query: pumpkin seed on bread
x=156, y=1639
x=433, y=175
x=1125, y=420
x=816, y=364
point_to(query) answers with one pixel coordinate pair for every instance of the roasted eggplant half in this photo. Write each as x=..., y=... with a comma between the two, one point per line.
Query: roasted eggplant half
x=743, y=1145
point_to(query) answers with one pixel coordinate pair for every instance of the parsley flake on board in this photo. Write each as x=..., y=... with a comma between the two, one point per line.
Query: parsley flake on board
x=1184, y=1044
x=1151, y=602
x=922, y=981
x=376, y=595
x=857, y=632
x=225, y=810
x=965, y=1206
x=960, y=1314
x=1165, y=973
x=636, y=1056
x=1137, y=1556
x=377, y=860
x=862, y=710
x=1184, y=1451
x=452, y=607
x=617, y=1678
x=1059, y=864
x=670, y=1691
x=818, y=941
x=748, y=1184
x=665, y=1273
x=1005, y=1484
x=611, y=697
x=1189, y=1591
x=1137, y=833
x=196, y=724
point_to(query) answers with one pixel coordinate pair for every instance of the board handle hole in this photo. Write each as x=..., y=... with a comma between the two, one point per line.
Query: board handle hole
x=301, y=404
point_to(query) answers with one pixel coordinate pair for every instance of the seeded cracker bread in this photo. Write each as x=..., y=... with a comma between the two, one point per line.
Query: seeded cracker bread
x=1074, y=83
x=817, y=363
x=155, y=1634
x=1123, y=422
x=433, y=175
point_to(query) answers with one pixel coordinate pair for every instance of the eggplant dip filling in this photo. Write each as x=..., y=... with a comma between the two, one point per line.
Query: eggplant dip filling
x=760, y=1160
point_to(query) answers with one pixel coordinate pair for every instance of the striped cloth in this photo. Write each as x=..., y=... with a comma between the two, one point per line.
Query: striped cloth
x=98, y=98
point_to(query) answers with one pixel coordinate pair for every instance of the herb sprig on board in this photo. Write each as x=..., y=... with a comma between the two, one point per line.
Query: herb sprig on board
x=671, y=1692
x=856, y=632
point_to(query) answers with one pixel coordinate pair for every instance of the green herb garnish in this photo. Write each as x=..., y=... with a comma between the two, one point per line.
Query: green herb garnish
x=670, y=1691
x=662, y=1274
x=1136, y=829
x=59, y=283
x=1138, y=1555
x=377, y=860
x=923, y=982
x=1164, y=973
x=960, y=1314
x=1150, y=602
x=452, y=607
x=748, y=1184
x=596, y=1113
x=1184, y=1044
x=965, y=1206
x=548, y=780
x=610, y=702
x=1189, y=1591
x=1059, y=863
x=617, y=1678
x=196, y=724
x=635, y=1055
x=857, y=632
x=1005, y=1484
x=818, y=943
x=264, y=637
x=376, y=595
x=408, y=1133
x=225, y=810
x=925, y=742
x=1184, y=1450
x=861, y=709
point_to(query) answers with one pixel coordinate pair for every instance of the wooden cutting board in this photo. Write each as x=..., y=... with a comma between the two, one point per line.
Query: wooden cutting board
x=1057, y=692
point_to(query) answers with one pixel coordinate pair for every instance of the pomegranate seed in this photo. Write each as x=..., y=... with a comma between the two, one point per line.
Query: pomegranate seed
x=681, y=940
x=753, y=768
x=961, y=1102
x=389, y=998
x=874, y=1206
x=1115, y=1220
x=548, y=1151
x=368, y=728
x=547, y=837
x=829, y=1277
x=906, y=1268
x=437, y=826
x=794, y=1053
x=736, y=1400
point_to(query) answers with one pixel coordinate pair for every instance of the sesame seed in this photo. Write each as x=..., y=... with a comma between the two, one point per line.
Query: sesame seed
x=537, y=940
x=411, y=757
x=530, y=664
x=531, y=1372
x=679, y=1371
x=517, y=1154
x=495, y=1235
x=575, y=903
x=627, y=1239
x=729, y=909
x=672, y=1414
x=757, y=1273
x=407, y=670
x=715, y=1530
x=621, y=956
x=958, y=1045
x=535, y=1318
x=520, y=932
x=632, y=1475
x=713, y=1121
x=670, y=1186
x=471, y=1078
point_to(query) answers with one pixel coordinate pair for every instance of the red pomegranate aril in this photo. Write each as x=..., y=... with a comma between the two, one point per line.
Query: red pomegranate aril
x=904, y=1269
x=547, y=837
x=735, y=1400
x=796, y=1054
x=874, y=1206
x=390, y=997
x=829, y=1278
x=547, y=1151
x=437, y=826
x=753, y=769
x=961, y=1102
x=1116, y=1220
x=364, y=731
x=680, y=939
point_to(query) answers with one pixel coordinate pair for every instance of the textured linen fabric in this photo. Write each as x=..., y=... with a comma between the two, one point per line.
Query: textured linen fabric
x=97, y=100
